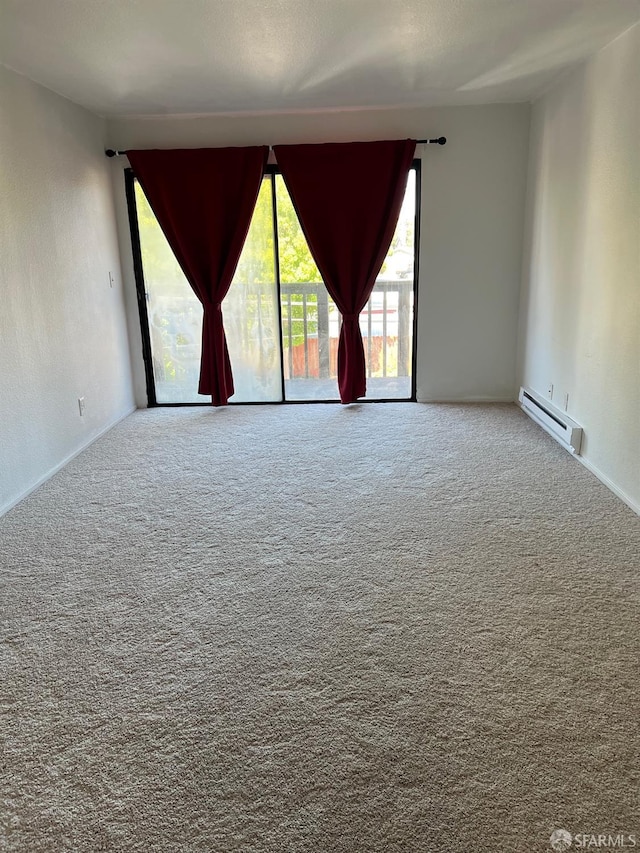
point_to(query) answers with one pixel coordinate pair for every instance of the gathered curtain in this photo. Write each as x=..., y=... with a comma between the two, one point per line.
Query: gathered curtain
x=348, y=197
x=203, y=200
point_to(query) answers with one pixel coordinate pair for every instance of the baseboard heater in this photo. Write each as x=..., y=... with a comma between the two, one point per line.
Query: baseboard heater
x=556, y=423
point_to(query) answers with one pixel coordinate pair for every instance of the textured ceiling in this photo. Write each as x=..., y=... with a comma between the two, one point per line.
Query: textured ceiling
x=137, y=57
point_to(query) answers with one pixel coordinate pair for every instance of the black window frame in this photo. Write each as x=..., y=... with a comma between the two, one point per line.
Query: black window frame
x=271, y=171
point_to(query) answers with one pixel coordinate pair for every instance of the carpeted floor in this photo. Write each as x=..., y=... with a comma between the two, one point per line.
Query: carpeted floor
x=371, y=629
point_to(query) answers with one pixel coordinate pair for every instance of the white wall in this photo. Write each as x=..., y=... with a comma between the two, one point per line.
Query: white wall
x=62, y=327
x=580, y=318
x=473, y=193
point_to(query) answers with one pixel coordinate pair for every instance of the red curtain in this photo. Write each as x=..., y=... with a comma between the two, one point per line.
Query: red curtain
x=348, y=197
x=203, y=200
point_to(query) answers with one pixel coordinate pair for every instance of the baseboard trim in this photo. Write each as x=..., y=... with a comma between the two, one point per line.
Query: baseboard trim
x=462, y=400
x=618, y=492
x=53, y=471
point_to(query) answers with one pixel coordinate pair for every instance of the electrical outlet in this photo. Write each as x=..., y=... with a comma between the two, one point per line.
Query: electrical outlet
x=111, y=279
x=550, y=391
x=566, y=402
x=81, y=406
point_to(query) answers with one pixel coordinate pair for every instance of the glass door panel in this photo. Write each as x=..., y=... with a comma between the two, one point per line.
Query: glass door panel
x=175, y=314
x=387, y=319
x=250, y=312
x=310, y=319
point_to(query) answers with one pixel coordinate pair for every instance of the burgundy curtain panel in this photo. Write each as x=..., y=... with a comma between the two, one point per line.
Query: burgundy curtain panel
x=348, y=197
x=203, y=200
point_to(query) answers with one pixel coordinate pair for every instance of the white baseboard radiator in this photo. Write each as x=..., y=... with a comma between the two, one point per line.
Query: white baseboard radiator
x=555, y=422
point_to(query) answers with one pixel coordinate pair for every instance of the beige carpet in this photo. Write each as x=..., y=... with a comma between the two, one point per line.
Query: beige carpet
x=376, y=628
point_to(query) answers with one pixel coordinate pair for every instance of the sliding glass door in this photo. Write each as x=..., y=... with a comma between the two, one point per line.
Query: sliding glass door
x=282, y=326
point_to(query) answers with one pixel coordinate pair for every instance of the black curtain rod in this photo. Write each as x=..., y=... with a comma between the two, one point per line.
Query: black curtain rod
x=441, y=140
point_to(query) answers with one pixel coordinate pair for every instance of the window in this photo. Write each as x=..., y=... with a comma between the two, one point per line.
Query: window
x=282, y=326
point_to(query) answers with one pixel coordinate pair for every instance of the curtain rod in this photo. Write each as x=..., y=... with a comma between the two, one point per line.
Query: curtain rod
x=441, y=140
